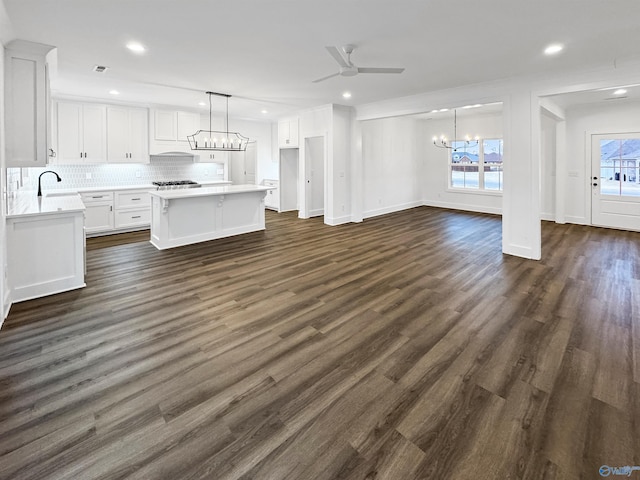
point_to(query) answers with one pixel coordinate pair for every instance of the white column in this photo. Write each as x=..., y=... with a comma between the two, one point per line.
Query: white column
x=521, y=230
x=561, y=170
x=357, y=171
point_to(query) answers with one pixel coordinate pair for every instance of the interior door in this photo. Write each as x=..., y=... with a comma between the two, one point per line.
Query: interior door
x=314, y=152
x=250, y=161
x=615, y=180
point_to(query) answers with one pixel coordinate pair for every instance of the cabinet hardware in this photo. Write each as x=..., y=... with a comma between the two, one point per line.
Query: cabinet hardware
x=99, y=196
x=134, y=199
x=137, y=216
x=110, y=208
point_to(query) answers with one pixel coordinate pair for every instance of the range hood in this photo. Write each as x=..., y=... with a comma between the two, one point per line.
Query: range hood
x=187, y=155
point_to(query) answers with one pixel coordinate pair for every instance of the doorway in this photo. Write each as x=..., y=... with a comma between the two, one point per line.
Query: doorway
x=314, y=167
x=615, y=180
x=243, y=165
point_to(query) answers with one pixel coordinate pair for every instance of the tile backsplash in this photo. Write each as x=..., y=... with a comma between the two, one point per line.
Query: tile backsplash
x=105, y=175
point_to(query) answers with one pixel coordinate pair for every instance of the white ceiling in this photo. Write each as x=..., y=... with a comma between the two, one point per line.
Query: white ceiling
x=266, y=53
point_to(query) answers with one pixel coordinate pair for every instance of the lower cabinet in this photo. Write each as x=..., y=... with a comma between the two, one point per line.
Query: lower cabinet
x=98, y=216
x=272, y=199
x=114, y=211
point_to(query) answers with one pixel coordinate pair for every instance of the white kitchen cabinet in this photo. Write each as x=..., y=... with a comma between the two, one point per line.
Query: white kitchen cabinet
x=272, y=199
x=288, y=133
x=169, y=130
x=127, y=135
x=132, y=209
x=81, y=130
x=99, y=211
x=110, y=212
x=27, y=103
x=45, y=254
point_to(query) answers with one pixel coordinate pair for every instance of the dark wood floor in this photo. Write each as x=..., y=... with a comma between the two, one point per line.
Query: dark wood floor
x=405, y=347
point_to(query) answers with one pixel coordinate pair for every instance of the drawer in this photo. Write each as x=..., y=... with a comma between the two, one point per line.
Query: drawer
x=130, y=199
x=89, y=197
x=132, y=218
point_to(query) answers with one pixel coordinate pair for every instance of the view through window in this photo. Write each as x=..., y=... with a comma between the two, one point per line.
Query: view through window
x=477, y=165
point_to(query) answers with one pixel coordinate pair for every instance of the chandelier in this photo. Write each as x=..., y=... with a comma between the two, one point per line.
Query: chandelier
x=218, y=140
x=442, y=141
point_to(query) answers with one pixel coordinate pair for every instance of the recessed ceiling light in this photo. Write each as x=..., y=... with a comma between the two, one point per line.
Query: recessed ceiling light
x=435, y=111
x=135, y=47
x=553, y=49
x=114, y=92
x=620, y=91
x=264, y=112
x=346, y=95
x=202, y=104
x=443, y=110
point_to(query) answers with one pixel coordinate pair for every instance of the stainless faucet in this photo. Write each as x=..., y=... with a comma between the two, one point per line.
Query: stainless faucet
x=40, y=177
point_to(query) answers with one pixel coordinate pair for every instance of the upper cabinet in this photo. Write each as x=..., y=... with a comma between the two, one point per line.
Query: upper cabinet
x=127, y=135
x=80, y=133
x=169, y=130
x=288, y=133
x=27, y=103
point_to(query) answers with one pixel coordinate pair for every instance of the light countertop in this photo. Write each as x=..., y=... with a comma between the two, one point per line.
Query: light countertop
x=209, y=191
x=27, y=203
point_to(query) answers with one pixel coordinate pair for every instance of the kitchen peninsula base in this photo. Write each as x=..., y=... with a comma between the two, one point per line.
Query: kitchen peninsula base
x=187, y=216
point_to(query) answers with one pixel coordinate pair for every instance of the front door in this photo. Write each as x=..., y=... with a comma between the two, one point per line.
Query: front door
x=615, y=181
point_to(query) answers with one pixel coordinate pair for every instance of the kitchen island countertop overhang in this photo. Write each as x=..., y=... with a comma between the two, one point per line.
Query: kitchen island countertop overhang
x=187, y=216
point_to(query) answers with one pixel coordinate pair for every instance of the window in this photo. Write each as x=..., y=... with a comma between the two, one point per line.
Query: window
x=477, y=167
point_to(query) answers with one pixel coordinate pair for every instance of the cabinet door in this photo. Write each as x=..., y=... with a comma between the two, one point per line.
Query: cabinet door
x=165, y=125
x=188, y=124
x=138, y=136
x=26, y=109
x=117, y=135
x=70, y=144
x=293, y=133
x=98, y=217
x=94, y=128
x=283, y=134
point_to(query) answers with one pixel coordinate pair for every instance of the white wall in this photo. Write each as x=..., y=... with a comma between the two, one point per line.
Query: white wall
x=391, y=157
x=260, y=132
x=548, y=161
x=581, y=123
x=435, y=174
x=4, y=290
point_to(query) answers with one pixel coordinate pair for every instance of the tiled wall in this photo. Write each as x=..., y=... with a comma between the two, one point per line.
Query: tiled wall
x=75, y=176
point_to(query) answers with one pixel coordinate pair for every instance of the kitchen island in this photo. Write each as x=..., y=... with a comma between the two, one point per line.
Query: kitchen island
x=45, y=244
x=192, y=215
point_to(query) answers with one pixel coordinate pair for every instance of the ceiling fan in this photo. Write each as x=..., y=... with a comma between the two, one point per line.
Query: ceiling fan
x=348, y=69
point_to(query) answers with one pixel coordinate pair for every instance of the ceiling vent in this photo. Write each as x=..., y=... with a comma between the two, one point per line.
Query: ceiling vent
x=100, y=68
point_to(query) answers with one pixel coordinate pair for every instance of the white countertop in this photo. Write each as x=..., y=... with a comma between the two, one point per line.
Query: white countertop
x=208, y=191
x=28, y=203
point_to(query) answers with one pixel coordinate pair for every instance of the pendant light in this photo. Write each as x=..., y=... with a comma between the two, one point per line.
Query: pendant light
x=442, y=142
x=216, y=140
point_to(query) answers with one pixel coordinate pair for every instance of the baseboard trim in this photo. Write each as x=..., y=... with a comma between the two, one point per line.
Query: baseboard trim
x=391, y=209
x=463, y=207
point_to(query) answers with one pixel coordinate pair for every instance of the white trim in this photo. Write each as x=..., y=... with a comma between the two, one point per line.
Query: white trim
x=333, y=221
x=549, y=217
x=519, y=251
x=464, y=207
x=391, y=209
x=476, y=191
x=577, y=220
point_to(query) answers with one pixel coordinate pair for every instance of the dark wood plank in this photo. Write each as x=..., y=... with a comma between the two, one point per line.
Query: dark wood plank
x=403, y=347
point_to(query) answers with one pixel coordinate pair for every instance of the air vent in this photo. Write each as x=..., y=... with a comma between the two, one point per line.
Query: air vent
x=100, y=68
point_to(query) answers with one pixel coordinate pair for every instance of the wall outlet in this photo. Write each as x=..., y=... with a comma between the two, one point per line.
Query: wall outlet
x=88, y=175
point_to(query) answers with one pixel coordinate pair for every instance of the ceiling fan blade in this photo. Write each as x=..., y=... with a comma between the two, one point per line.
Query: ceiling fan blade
x=327, y=77
x=335, y=53
x=379, y=70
